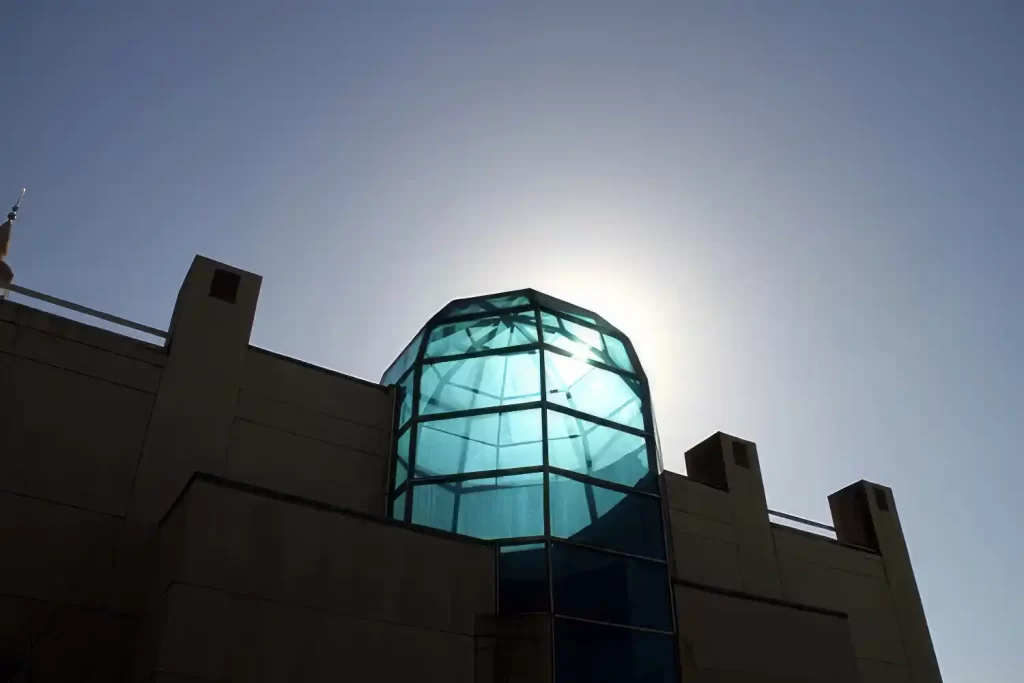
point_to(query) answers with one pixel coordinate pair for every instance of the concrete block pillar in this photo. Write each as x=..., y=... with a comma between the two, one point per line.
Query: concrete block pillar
x=731, y=464
x=195, y=403
x=865, y=514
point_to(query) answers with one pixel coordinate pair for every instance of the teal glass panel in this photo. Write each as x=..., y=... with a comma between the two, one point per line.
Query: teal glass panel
x=580, y=446
x=565, y=308
x=494, y=332
x=594, y=515
x=403, y=362
x=398, y=507
x=479, y=443
x=584, y=342
x=494, y=507
x=405, y=407
x=490, y=305
x=402, y=456
x=483, y=382
x=588, y=389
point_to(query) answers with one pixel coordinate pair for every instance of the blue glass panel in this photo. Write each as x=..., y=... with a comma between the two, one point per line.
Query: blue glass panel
x=612, y=588
x=405, y=407
x=585, y=513
x=594, y=391
x=494, y=332
x=584, y=342
x=479, y=382
x=495, y=507
x=479, y=443
x=398, y=507
x=596, y=653
x=403, y=362
x=580, y=446
x=402, y=461
x=490, y=305
x=523, y=578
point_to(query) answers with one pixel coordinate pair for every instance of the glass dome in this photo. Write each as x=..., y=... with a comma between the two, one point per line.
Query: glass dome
x=526, y=420
x=496, y=393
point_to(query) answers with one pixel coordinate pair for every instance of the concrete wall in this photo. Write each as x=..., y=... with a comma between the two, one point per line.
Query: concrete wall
x=99, y=432
x=821, y=572
x=250, y=587
x=718, y=542
x=743, y=639
x=311, y=432
x=247, y=414
x=704, y=544
x=77, y=400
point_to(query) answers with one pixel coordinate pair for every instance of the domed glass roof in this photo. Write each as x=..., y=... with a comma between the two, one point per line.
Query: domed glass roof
x=526, y=420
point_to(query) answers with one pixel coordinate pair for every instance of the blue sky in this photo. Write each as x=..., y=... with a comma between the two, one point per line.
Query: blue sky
x=807, y=216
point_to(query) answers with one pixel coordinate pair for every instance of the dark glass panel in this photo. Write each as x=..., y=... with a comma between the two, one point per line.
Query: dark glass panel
x=595, y=653
x=604, y=587
x=523, y=578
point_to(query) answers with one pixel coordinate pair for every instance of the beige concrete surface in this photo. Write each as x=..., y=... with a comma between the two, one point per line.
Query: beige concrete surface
x=298, y=554
x=726, y=637
x=305, y=466
x=222, y=636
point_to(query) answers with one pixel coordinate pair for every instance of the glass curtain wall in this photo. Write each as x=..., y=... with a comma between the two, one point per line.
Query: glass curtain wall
x=526, y=420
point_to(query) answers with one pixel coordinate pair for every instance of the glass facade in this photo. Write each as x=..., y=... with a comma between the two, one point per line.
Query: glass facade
x=526, y=421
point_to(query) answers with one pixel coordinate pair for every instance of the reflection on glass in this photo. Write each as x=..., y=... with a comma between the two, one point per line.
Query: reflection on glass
x=405, y=408
x=494, y=507
x=584, y=342
x=483, y=382
x=594, y=515
x=581, y=446
x=479, y=443
x=490, y=305
x=588, y=389
x=403, y=362
x=471, y=336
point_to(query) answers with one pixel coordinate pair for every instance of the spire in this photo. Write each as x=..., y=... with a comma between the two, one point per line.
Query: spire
x=6, y=274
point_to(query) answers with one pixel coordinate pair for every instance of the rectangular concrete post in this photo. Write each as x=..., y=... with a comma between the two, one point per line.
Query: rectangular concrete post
x=865, y=514
x=731, y=464
x=195, y=403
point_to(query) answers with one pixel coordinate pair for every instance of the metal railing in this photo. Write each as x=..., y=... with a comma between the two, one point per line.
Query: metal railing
x=801, y=520
x=32, y=294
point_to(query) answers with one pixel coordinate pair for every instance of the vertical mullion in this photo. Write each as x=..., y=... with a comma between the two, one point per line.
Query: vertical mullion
x=547, y=485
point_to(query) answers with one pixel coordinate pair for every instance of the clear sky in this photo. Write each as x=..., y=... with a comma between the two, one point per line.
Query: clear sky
x=809, y=216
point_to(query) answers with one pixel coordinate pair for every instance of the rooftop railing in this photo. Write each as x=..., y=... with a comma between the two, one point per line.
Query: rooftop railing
x=77, y=308
x=817, y=526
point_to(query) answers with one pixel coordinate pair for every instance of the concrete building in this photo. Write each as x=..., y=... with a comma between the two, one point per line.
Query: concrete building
x=493, y=511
